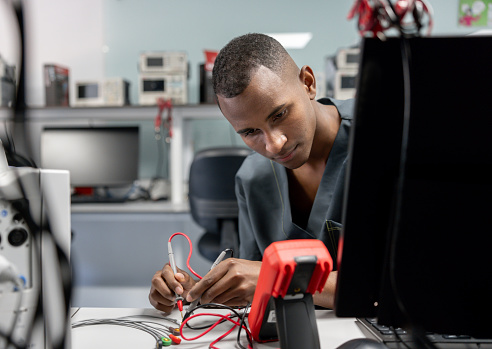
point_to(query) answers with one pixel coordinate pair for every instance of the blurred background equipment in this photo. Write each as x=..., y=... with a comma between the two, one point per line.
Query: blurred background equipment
x=35, y=239
x=7, y=83
x=97, y=158
x=207, y=94
x=56, y=82
x=106, y=92
x=347, y=67
x=163, y=75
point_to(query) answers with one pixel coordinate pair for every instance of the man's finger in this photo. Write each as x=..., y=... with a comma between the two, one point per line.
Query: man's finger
x=207, y=281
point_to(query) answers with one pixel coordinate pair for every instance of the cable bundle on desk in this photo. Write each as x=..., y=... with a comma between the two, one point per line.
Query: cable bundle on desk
x=228, y=317
x=223, y=318
x=163, y=335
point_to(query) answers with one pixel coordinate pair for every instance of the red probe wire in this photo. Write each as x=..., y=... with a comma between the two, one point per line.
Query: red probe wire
x=180, y=301
x=189, y=254
x=226, y=317
x=164, y=104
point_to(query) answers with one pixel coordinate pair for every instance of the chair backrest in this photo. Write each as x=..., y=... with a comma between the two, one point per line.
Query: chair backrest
x=211, y=185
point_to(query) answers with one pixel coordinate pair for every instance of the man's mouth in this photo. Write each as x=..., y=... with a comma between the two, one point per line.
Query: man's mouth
x=287, y=156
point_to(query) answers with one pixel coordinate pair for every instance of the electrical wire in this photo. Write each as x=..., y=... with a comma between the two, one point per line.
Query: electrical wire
x=243, y=318
x=189, y=254
x=417, y=332
x=157, y=330
x=160, y=154
x=222, y=319
x=190, y=312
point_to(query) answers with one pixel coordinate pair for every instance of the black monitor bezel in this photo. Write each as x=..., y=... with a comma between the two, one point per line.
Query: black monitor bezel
x=448, y=105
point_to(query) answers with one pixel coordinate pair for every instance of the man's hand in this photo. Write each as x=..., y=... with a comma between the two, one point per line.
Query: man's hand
x=232, y=282
x=164, y=286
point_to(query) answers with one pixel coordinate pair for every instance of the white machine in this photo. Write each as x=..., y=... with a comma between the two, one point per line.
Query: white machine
x=163, y=75
x=167, y=86
x=109, y=92
x=30, y=247
x=348, y=58
x=347, y=61
x=345, y=83
x=166, y=62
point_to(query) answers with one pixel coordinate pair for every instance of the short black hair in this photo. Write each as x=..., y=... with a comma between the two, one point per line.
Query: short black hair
x=241, y=57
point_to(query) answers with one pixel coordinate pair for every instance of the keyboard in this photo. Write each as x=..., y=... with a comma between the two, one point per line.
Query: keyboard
x=397, y=338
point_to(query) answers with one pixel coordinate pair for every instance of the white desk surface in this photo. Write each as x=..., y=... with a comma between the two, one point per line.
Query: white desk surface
x=333, y=331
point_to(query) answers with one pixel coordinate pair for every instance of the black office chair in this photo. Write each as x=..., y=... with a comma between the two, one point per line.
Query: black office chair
x=212, y=198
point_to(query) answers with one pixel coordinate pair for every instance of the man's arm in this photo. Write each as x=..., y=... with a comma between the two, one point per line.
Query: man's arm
x=326, y=298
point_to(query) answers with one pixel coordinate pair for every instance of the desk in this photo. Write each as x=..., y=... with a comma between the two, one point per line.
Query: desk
x=333, y=331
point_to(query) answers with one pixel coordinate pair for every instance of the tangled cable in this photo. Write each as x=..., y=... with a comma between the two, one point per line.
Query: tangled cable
x=377, y=16
x=222, y=318
x=163, y=335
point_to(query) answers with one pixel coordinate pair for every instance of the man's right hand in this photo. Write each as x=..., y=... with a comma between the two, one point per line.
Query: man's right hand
x=165, y=286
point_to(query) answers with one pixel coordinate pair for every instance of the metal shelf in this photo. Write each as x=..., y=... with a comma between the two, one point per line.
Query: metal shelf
x=202, y=111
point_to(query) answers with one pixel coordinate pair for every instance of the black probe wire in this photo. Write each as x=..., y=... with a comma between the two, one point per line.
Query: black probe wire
x=221, y=306
x=406, y=57
x=190, y=312
x=418, y=333
x=241, y=324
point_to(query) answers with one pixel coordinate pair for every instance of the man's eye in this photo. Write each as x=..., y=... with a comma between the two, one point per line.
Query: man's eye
x=249, y=132
x=279, y=115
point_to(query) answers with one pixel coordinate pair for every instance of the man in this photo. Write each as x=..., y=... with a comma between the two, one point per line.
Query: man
x=291, y=187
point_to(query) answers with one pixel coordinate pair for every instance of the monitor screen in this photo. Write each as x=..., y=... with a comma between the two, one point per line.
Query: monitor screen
x=415, y=246
x=155, y=61
x=153, y=85
x=95, y=156
x=88, y=91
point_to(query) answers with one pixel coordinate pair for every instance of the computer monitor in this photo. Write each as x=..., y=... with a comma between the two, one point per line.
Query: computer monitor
x=95, y=156
x=415, y=249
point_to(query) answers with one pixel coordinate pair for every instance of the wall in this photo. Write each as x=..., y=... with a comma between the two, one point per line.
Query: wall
x=68, y=33
x=196, y=25
x=133, y=26
x=98, y=39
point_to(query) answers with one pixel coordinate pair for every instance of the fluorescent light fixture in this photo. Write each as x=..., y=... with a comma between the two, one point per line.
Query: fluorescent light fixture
x=292, y=40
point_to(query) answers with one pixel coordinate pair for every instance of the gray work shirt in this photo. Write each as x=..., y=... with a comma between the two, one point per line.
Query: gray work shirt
x=262, y=192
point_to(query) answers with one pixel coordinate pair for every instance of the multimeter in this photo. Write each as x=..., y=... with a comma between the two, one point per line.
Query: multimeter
x=291, y=272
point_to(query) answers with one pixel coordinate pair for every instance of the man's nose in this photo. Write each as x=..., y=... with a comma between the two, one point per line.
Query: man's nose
x=274, y=142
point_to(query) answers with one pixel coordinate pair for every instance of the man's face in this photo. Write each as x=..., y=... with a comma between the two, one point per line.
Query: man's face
x=274, y=117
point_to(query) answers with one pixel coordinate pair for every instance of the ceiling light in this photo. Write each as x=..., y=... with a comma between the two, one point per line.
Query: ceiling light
x=292, y=40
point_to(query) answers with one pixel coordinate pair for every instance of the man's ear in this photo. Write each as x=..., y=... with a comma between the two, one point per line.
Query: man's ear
x=306, y=77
